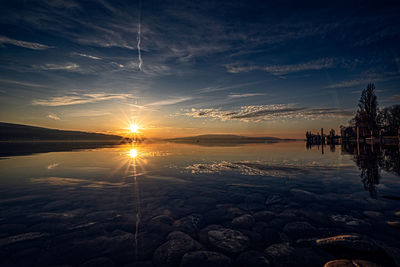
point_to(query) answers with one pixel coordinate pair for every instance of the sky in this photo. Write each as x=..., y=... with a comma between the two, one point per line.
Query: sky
x=179, y=68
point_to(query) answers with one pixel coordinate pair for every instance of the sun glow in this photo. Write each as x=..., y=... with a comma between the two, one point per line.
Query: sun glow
x=133, y=153
x=134, y=128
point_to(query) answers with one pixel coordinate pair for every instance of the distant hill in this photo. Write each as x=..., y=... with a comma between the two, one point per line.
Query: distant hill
x=19, y=132
x=225, y=139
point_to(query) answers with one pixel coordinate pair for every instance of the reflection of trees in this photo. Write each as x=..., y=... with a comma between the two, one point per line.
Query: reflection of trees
x=371, y=160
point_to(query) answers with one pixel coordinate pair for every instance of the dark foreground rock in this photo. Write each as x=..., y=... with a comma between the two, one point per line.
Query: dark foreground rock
x=228, y=240
x=205, y=258
x=252, y=258
x=284, y=254
x=244, y=221
x=351, y=263
x=171, y=252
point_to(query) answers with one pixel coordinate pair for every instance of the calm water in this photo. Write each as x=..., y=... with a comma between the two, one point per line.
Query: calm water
x=117, y=205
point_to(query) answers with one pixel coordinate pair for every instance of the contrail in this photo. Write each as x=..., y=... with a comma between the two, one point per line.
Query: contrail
x=138, y=37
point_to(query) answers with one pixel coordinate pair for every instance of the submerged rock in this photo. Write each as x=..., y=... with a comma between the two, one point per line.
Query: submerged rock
x=244, y=221
x=171, y=252
x=395, y=224
x=205, y=258
x=228, y=240
x=264, y=215
x=353, y=242
x=189, y=224
x=351, y=263
x=284, y=255
x=253, y=258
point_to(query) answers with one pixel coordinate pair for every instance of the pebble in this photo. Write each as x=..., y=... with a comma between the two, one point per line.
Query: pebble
x=351, y=263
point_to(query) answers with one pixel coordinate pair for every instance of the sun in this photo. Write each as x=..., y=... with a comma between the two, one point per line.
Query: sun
x=134, y=128
x=133, y=153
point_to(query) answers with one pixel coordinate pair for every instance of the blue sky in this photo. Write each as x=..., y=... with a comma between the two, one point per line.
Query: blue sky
x=193, y=67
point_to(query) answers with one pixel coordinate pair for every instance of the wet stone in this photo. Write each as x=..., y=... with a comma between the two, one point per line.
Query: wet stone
x=171, y=252
x=189, y=224
x=351, y=263
x=161, y=224
x=274, y=200
x=253, y=258
x=284, y=254
x=297, y=230
x=397, y=213
x=244, y=221
x=99, y=262
x=205, y=258
x=228, y=240
x=255, y=202
x=395, y=224
x=348, y=242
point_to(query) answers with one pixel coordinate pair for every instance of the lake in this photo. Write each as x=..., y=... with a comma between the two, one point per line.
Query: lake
x=168, y=204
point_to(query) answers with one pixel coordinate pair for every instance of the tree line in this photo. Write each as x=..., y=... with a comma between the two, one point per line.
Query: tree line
x=373, y=121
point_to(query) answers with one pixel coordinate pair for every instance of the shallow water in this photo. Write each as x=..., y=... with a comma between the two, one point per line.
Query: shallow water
x=100, y=206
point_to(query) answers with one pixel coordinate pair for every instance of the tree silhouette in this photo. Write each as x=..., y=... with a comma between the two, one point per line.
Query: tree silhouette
x=367, y=114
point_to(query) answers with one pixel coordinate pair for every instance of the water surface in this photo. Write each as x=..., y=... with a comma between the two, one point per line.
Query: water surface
x=118, y=204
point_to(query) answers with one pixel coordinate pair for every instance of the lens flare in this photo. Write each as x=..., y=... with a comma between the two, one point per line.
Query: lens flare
x=133, y=153
x=134, y=128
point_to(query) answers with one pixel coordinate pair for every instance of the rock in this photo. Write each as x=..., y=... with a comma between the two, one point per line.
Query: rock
x=348, y=242
x=279, y=250
x=297, y=230
x=397, y=213
x=222, y=213
x=244, y=221
x=171, y=252
x=373, y=214
x=189, y=224
x=351, y=263
x=395, y=224
x=347, y=220
x=274, y=200
x=252, y=258
x=264, y=215
x=99, y=262
x=228, y=240
x=302, y=195
x=284, y=254
x=205, y=258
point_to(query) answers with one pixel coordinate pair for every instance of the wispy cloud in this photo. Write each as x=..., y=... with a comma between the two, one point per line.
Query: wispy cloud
x=170, y=101
x=244, y=95
x=86, y=55
x=66, y=66
x=283, y=69
x=24, y=44
x=53, y=117
x=21, y=83
x=74, y=99
x=268, y=112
